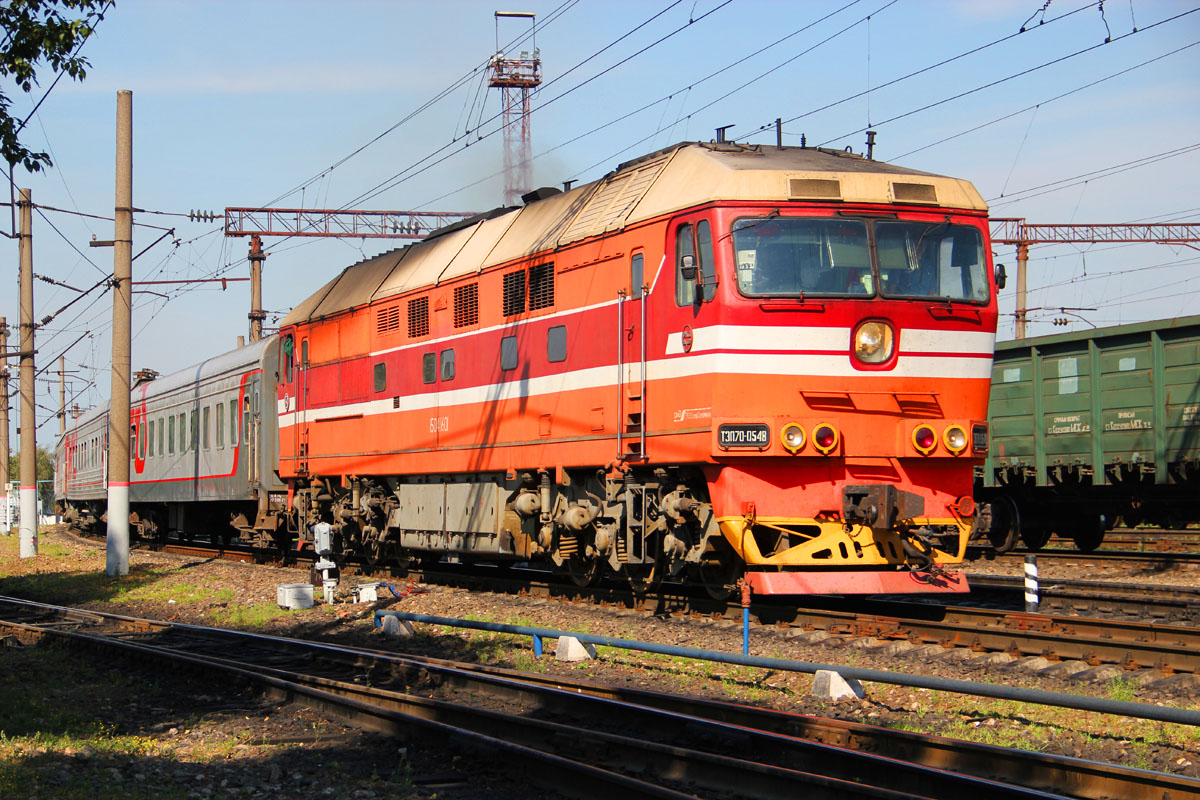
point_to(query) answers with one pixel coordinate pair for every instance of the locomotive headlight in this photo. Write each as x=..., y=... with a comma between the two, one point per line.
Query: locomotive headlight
x=924, y=439
x=792, y=437
x=873, y=342
x=955, y=439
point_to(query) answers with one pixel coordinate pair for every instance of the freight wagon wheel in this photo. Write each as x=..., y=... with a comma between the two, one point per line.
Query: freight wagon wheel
x=1088, y=533
x=1035, y=538
x=1006, y=524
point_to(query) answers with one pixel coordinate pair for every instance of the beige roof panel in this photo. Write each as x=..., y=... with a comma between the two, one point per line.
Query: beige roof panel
x=539, y=226
x=476, y=251
x=360, y=283
x=426, y=262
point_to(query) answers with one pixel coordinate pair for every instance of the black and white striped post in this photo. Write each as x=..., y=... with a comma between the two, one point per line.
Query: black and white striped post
x=1031, y=584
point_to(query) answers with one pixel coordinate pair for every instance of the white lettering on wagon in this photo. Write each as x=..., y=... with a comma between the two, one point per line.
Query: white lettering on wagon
x=1071, y=423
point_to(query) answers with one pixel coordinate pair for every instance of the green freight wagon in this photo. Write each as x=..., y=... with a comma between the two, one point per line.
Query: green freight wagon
x=1092, y=426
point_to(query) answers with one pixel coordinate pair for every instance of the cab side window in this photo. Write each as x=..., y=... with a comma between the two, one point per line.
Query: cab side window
x=695, y=241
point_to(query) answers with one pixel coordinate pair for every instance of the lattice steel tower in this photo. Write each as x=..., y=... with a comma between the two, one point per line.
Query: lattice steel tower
x=516, y=76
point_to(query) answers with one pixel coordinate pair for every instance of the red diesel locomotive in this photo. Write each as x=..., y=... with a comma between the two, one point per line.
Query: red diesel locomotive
x=719, y=360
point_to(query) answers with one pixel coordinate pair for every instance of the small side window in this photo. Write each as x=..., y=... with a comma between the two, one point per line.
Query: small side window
x=429, y=368
x=708, y=269
x=304, y=353
x=381, y=377
x=288, y=356
x=448, y=365
x=508, y=352
x=685, y=290
x=636, y=275
x=556, y=343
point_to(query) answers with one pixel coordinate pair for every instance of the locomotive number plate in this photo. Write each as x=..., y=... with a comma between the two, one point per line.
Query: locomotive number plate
x=754, y=436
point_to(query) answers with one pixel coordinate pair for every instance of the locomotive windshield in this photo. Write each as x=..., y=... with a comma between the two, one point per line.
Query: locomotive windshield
x=782, y=256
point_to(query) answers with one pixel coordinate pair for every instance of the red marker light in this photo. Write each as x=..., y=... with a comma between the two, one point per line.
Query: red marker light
x=825, y=438
x=924, y=439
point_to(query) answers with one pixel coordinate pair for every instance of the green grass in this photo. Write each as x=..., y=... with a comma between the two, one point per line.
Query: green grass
x=251, y=616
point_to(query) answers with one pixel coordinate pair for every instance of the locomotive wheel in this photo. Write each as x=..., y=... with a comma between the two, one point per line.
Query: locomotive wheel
x=583, y=572
x=1035, y=538
x=1088, y=533
x=1006, y=524
x=718, y=576
x=643, y=577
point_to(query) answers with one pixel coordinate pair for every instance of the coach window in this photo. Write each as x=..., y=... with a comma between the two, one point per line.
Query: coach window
x=448, y=365
x=381, y=377
x=245, y=419
x=508, y=352
x=183, y=442
x=162, y=434
x=429, y=368
x=171, y=434
x=194, y=440
x=205, y=427
x=636, y=275
x=556, y=343
x=220, y=426
x=142, y=432
x=233, y=437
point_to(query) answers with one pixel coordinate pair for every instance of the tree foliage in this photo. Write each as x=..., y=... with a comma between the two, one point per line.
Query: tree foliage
x=40, y=34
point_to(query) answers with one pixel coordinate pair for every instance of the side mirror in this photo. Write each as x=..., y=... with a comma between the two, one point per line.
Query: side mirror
x=687, y=268
x=1001, y=276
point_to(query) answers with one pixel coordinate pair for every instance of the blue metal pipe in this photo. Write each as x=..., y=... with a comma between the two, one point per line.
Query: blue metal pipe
x=1082, y=702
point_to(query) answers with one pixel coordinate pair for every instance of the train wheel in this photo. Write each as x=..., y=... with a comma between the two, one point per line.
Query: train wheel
x=1088, y=533
x=1006, y=524
x=718, y=575
x=643, y=577
x=1035, y=538
x=582, y=571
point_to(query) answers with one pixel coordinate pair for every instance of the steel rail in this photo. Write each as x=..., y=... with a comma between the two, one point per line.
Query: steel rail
x=1077, y=777
x=859, y=774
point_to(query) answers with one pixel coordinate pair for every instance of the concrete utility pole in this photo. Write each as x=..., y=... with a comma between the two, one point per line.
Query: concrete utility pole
x=29, y=515
x=62, y=396
x=117, y=562
x=257, y=315
x=5, y=512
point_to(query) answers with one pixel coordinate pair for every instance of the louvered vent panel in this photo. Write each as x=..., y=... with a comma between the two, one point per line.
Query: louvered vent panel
x=608, y=207
x=541, y=286
x=387, y=320
x=514, y=293
x=466, y=305
x=418, y=317
x=814, y=188
x=915, y=192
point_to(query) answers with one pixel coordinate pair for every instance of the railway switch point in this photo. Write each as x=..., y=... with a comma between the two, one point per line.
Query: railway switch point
x=831, y=686
x=571, y=649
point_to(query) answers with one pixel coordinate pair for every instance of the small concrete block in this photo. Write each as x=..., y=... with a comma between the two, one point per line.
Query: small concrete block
x=830, y=685
x=1144, y=677
x=1065, y=669
x=955, y=654
x=366, y=593
x=808, y=637
x=571, y=649
x=894, y=648
x=1030, y=664
x=990, y=659
x=394, y=626
x=1100, y=674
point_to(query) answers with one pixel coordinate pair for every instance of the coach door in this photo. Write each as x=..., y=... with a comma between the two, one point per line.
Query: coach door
x=631, y=349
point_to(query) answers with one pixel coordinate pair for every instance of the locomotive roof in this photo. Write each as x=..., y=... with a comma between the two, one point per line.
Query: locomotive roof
x=681, y=176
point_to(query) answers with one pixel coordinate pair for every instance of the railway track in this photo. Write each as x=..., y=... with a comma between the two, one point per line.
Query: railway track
x=589, y=740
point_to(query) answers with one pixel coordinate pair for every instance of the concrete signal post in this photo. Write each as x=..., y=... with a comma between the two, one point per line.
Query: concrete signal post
x=28, y=475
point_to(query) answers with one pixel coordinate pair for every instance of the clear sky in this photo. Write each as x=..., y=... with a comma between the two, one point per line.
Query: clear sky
x=251, y=103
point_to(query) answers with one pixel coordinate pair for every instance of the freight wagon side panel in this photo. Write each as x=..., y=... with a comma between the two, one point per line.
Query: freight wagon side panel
x=1181, y=373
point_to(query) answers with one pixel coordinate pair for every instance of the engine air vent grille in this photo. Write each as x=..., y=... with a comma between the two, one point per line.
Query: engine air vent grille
x=541, y=286
x=387, y=320
x=514, y=293
x=466, y=305
x=418, y=317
